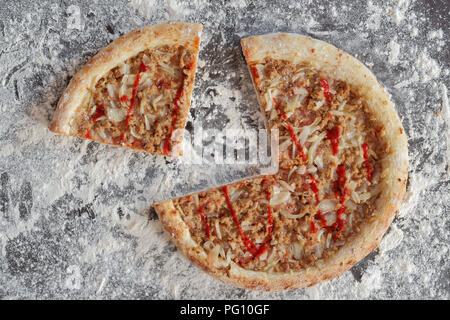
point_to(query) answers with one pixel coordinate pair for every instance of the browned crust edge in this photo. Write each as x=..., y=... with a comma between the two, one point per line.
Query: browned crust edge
x=341, y=65
x=116, y=52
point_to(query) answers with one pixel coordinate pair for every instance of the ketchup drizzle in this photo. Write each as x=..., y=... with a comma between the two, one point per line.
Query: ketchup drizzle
x=202, y=216
x=313, y=227
x=333, y=135
x=178, y=97
x=365, y=148
x=142, y=68
x=254, y=72
x=88, y=134
x=341, y=192
x=321, y=218
x=326, y=89
x=99, y=112
x=174, y=119
x=290, y=130
x=313, y=185
x=250, y=245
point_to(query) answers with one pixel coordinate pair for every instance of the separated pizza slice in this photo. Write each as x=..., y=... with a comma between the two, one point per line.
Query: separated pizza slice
x=135, y=92
x=342, y=174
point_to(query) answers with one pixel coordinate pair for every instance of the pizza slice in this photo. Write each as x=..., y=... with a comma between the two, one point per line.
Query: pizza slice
x=342, y=174
x=135, y=92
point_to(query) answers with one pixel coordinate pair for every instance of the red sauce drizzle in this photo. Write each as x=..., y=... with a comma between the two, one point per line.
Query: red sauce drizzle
x=321, y=218
x=365, y=148
x=313, y=227
x=251, y=247
x=202, y=216
x=326, y=89
x=269, y=216
x=123, y=99
x=99, y=112
x=174, y=119
x=333, y=135
x=254, y=72
x=341, y=192
x=88, y=134
x=178, y=97
x=314, y=188
x=142, y=68
x=290, y=130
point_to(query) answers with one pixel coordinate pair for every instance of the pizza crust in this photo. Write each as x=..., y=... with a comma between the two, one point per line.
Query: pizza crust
x=121, y=49
x=336, y=64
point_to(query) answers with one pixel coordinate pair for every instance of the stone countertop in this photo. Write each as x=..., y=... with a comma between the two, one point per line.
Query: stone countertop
x=75, y=217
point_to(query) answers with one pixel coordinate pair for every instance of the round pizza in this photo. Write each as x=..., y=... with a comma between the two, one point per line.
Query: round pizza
x=135, y=92
x=343, y=167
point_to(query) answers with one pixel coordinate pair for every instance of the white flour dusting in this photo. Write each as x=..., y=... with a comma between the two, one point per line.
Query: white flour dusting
x=391, y=240
x=74, y=215
x=445, y=113
x=394, y=51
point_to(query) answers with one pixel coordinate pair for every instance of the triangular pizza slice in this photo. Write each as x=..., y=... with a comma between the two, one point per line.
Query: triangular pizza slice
x=135, y=92
x=343, y=168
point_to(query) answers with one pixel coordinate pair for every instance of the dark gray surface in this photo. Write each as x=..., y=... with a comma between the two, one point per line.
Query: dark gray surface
x=72, y=227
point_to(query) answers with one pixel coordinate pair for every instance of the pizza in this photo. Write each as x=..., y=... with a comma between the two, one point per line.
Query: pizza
x=343, y=167
x=135, y=92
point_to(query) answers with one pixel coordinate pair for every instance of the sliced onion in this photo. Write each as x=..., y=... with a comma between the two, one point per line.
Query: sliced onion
x=330, y=217
x=327, y=205
x=291, y=172
x=125, y=69
x=212, y=215
x=219, y=234
x=318, y=250
x=146, y=59
x=342, y=113
x=213, y=255
x=281, y=197
x=235, y=195
x=318, y=161
x=292, y=216
x=319, y=105
x=301, y=170
x=351, y=205
x=116, y=114
x=145, y=84
x=102, y=134
x=328, y=241
x=315, y=145
x=297, y=250
x=166, y=68
x=147, y=123
x=286, y=186
x=156, y=101
x=302, y=92
x=196, y=200
x=111, y=90
x=134, y=134
x=306, y=131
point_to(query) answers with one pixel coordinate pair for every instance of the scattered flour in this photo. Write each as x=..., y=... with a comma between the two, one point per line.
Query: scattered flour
x=394, y=51
x=399, y=11
x=127, y=254
x=437, y=34
x=445, y=113
x=428, y=67
x=371, y=281
x=391, y=240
